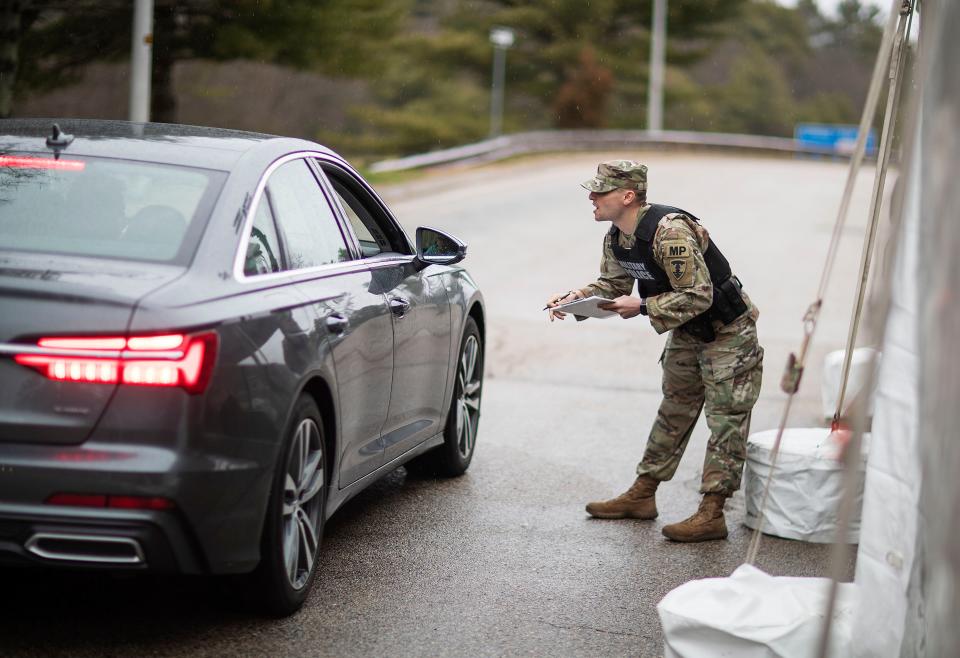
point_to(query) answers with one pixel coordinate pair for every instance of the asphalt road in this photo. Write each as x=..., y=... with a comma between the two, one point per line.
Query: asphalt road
x=504, y=561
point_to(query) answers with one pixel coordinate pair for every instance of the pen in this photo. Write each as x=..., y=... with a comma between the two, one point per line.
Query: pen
x=557, y=301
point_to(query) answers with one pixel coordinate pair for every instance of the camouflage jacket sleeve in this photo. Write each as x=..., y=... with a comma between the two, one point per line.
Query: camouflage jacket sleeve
x=678, y=247
x=614, y=280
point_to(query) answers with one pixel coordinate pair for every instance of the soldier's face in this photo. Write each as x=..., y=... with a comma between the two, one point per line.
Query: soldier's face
x=607, y=206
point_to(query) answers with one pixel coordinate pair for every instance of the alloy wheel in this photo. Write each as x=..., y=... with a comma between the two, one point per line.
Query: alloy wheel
x=469, y=383
x=302, y=502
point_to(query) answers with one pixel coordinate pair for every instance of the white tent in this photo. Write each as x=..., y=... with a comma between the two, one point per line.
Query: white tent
x=905, y=600
x=908, y=563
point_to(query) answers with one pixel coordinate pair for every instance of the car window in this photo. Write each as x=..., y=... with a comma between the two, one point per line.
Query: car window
x=310, y=231
x=375, y=232
x=103, y=207
x=263, y=249
x=369, y=245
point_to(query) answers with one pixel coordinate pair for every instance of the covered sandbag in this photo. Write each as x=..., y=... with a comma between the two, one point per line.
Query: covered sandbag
x=753, y=615
x=807, y=484
x=857, y=382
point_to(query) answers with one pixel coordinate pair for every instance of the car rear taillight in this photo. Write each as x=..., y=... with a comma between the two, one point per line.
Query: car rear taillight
x=115, y=502
x=165, y=360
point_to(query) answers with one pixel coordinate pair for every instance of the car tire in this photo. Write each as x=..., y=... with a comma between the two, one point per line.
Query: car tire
x=293, y=528
x=453, y=457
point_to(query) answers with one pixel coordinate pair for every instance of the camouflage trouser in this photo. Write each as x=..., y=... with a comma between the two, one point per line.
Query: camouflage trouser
x=724, y=376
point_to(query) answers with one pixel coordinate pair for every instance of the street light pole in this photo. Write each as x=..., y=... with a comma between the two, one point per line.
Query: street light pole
x=501, y=38
x=141, y=54
x=658, y=44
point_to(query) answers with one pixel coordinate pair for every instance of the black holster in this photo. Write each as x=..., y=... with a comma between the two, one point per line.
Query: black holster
x=728, y=305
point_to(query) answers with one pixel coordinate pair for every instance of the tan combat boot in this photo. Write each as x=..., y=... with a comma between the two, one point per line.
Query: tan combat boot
x=706, y=524
x=637, y=503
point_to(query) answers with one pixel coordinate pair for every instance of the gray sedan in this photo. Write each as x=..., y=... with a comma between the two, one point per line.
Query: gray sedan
x=209, y=341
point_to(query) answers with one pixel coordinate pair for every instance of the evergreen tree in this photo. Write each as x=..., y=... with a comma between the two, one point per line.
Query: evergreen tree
x=337, y=37
x=750, y=66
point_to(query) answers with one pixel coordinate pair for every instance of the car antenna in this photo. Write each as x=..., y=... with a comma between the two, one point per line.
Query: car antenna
x=58, y=140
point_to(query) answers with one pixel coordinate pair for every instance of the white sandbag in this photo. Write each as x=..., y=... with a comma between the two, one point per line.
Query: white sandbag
x=807, y=485
x=856, y=382
x=754, y=615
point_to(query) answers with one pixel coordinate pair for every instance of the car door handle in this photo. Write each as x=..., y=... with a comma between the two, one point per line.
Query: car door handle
x=399, y=306
x=336, y=323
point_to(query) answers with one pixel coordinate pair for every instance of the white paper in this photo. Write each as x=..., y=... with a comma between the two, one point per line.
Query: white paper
x=587, y=307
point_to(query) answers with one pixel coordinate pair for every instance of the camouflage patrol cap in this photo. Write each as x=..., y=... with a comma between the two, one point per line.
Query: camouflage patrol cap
x=625, y=174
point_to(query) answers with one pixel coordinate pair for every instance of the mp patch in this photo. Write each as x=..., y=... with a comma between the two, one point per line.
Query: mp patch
x=678, y=259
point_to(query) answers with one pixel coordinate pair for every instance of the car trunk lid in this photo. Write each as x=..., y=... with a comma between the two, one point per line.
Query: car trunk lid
x=49, y=296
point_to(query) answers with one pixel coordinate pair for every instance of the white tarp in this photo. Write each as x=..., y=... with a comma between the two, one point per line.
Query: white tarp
x=753, y=615
x=807, y=485
x=832, y=375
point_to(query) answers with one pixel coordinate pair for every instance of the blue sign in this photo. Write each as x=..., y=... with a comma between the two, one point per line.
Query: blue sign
x=831, y=137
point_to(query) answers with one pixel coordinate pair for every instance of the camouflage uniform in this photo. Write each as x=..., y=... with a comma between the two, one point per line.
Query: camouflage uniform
x=723, y=375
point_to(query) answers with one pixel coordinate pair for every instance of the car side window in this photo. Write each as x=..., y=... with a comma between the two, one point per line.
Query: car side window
x=376, y=233
x=369, y=245
x=309, y=227
x=263, y=248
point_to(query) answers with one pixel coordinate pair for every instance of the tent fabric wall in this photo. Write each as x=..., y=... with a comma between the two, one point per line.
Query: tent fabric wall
x=932, y=627
x=892, y=489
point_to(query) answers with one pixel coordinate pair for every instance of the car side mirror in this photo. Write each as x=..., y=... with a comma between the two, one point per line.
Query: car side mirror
x=434, y=247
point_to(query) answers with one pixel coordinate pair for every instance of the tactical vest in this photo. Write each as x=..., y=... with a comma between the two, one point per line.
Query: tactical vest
x=652, y=280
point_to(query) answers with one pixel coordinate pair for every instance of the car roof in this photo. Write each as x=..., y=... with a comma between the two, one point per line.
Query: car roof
x=198, y=146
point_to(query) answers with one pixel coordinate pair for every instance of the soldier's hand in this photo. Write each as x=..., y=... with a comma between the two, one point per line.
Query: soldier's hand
x=561, y=298
x=625, y=306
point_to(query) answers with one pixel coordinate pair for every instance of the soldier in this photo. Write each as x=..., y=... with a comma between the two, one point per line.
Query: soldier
x=712, y=358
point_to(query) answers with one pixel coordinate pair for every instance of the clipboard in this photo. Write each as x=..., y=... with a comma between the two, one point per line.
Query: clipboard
x=587, y=307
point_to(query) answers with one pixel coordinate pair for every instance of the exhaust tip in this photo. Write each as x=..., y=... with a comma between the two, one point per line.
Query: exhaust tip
x=96, y=549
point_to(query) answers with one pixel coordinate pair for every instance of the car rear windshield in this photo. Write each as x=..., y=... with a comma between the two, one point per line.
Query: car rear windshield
x=103, y=207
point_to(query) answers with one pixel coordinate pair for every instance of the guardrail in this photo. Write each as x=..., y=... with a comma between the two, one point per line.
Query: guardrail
x=576, y=140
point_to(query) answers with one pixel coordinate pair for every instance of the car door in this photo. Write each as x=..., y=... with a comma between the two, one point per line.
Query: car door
x=347, y=306
x=420, y=314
